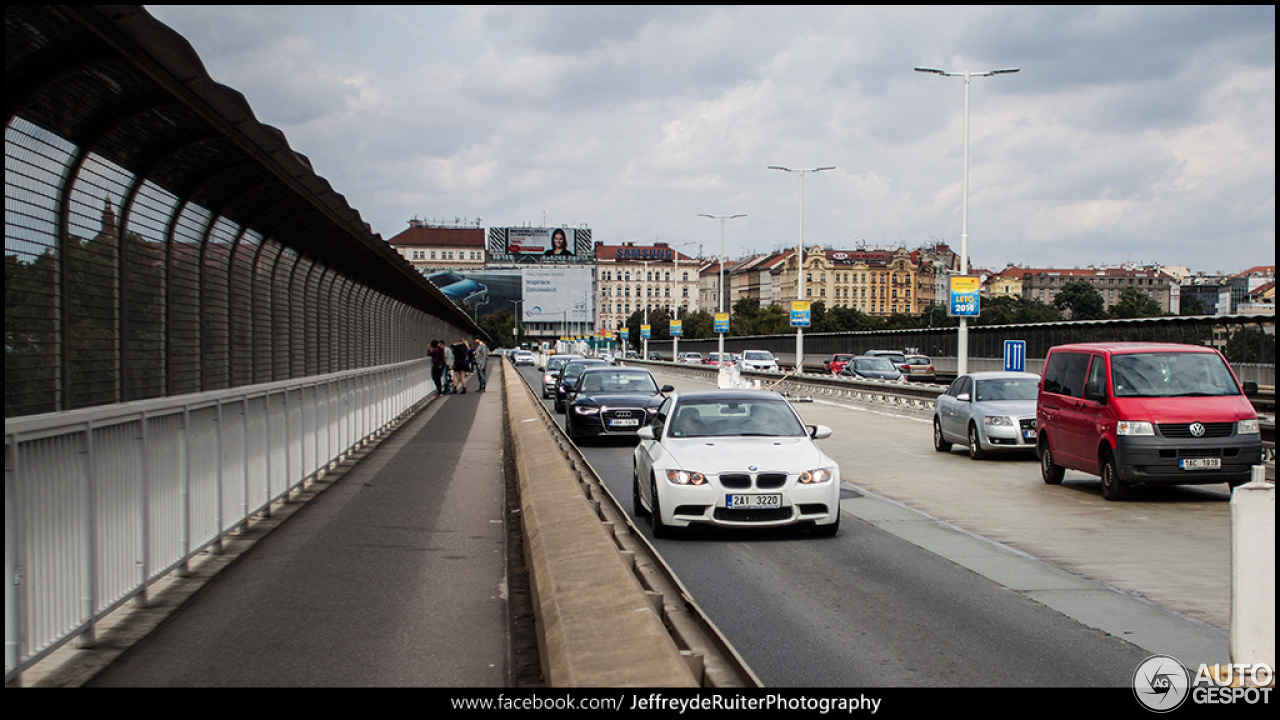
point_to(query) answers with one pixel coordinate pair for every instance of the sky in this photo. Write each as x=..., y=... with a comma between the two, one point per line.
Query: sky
x=1130, y=134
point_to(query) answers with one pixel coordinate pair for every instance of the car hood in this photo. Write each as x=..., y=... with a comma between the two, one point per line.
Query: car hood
x=725, y=455
x=1014, y=408
x=1222, y=408
x=618, y=400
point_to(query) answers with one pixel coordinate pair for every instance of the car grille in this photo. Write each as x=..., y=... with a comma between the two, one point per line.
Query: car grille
x=1027, y=424
x=760, y=515
x=764, y=480
x=1185, y=430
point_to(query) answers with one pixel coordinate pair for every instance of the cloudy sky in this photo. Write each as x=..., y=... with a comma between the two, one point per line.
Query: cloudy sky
x=1130, y=134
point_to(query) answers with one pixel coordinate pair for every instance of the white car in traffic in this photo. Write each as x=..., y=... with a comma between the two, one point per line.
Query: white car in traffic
x=734, y=458
x=758, y=360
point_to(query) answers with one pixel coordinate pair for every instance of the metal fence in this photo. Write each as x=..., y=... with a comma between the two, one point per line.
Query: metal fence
x=195, y=322
x=101, y=502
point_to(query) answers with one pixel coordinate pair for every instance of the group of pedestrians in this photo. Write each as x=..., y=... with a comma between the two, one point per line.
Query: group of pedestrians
x=450, y=365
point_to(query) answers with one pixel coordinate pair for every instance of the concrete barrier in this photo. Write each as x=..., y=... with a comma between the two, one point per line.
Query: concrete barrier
x=597, y=626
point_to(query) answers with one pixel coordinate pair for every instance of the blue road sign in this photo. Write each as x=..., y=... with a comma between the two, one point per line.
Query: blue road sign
x=1015, y=355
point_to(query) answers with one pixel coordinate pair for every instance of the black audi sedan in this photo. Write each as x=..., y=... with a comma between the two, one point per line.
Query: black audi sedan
x=611, y=401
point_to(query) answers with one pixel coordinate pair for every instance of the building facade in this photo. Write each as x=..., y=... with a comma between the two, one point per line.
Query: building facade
x=629, y=277
x=436, y=247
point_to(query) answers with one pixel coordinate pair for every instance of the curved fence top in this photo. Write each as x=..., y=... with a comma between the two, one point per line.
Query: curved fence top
x=160, y=240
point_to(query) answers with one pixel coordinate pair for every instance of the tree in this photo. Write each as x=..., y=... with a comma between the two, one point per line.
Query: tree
x=1015, y=310
x=1135, y=304
x=1250, y=345
x=1191, y=305
x=1080, y=300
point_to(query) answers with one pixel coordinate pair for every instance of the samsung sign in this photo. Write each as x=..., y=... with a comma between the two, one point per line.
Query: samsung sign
x=645, y=253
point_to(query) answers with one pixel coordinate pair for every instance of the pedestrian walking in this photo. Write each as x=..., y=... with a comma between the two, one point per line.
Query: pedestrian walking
x=480, y=360
x=449, y=389
x=461, y=362
x=438, y=367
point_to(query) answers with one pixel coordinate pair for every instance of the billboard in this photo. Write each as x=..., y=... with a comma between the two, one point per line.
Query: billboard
x=557, y=294
x=540, y=246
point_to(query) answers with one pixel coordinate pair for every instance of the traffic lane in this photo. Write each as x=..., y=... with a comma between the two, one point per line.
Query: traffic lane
x=869, y=608
x=1169, y=544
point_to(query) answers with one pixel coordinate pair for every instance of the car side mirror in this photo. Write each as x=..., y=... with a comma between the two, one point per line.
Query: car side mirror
x=819, y=432
x=1095, y=392
x=963, y=397
x=645, y=433
x=1250, y=388
x=671, y=388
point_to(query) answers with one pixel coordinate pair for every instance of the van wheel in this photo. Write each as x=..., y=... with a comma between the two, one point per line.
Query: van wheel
x=1051, y=473
x=939, y=443
x=1113, y=488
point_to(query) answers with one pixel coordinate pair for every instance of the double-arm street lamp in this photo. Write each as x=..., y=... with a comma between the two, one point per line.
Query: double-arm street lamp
x=800, y=257
x=962, y=345
x=721, y=218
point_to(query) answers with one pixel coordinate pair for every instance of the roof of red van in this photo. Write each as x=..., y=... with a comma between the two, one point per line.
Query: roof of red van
x=1133, y=347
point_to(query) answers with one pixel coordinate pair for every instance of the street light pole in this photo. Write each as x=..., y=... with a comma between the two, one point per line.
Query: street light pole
x=962, y=340
x=800, y=258
x=721, y=218
x=644, y=340
x=675, y=278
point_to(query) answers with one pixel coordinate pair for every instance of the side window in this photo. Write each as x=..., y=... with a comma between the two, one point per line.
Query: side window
x=660, y=420
x=957, y=386
x=1098, y=374
x=1065, y=374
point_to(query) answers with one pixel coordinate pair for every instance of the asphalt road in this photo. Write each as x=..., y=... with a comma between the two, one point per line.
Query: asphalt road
x=954, y=573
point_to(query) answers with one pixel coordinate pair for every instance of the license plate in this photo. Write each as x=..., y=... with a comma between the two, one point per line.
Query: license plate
x=1201, y=464
x=753, y=501
x=1028, y=434
x=624, y=423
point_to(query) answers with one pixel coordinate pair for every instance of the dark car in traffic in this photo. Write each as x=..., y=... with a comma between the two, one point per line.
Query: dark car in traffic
x=871, y=368
x=569, y=375
x=611, y=401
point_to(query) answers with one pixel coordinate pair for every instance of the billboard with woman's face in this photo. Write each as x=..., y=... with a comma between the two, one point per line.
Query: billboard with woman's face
x=539, y=245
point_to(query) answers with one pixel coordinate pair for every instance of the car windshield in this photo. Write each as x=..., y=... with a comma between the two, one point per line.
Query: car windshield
x=1006, y=389
x=613, y=383
x=875, y=364
x=1171, y=375
x=721, y=417
x=757, y=355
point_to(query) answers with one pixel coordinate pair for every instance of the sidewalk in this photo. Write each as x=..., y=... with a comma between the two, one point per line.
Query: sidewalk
x=393, y=576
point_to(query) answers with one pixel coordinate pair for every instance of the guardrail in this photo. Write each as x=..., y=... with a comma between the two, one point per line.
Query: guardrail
x=102, y=502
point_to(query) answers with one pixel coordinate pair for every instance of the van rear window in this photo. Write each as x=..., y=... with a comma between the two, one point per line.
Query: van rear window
x=1171, y=375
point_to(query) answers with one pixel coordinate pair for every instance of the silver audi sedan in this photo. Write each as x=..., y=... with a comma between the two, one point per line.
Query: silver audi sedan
x=987, y=412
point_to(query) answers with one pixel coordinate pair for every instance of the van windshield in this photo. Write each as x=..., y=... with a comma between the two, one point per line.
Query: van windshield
x=1171, y=375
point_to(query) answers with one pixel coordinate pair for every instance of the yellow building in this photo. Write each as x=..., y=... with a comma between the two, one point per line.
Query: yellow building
x=876, y=282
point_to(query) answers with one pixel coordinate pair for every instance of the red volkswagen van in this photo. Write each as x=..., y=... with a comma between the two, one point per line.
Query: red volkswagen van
x=1145, y=413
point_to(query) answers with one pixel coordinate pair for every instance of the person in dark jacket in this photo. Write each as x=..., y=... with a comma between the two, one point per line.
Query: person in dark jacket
x=461, y=364
x=438, y=369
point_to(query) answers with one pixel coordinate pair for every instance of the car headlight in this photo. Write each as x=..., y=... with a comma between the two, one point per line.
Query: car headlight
x=1000, y=420
x=1135, y=427
x=816, y=477
x=1247, y=427
x=684, y=477
x=584, y=410
x=548, y=379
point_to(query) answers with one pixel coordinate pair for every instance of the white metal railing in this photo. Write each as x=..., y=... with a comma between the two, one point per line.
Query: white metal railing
x=101, y=502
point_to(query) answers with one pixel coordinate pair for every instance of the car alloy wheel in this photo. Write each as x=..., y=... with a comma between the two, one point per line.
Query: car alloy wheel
x=975, y=444
x=637, y=508
x=939, y=443
x=660, y=529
